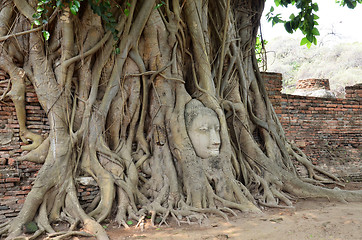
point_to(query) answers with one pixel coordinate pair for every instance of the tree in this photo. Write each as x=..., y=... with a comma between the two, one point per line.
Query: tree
x=116, y=79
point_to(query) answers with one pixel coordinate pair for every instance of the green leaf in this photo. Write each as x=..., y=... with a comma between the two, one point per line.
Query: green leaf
x=276, y=19
x=36, y=15
x=74, y=9
x=117, y=51
x=300, y=4
x=304, y=41
x=288, y=27
x=271, y=9
x=126, y=12
x=315, y=32
x=46, y=35
x=315, y=7
x=107, y=4
x=295, y=23
x=77, y=4
x=310, y=37
x=37, y=22
x=309, y=44
x=129, y=222
x=39, y=9
x=128, y=4
x=277, y=2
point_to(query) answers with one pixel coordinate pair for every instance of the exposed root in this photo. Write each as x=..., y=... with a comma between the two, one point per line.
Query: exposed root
x=39, y=232
x=302, y=158
x=64, y=235
x=5, y=228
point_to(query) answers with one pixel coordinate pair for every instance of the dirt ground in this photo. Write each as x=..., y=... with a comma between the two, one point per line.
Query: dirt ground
x=311, y=219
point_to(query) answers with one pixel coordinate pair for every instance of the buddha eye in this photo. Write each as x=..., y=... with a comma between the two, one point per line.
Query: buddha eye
x=203, y=129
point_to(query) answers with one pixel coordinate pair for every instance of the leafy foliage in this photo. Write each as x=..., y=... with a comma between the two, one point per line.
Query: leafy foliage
x=74, y=7
x=100, y=7
x=305, y=20
x=103, y=9
x=41, y=17
x=260, y=51
x=349, y=3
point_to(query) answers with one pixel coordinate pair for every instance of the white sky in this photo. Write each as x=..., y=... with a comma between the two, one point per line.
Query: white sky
x=345, y=23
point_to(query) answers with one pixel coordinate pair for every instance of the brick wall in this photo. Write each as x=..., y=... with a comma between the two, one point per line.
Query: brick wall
x=328, y=130
x=16, y=177
x=273, y=84
x=313, y=83
x=354, y=92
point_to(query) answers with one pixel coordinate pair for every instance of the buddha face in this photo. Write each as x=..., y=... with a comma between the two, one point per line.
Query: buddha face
x=204, y=131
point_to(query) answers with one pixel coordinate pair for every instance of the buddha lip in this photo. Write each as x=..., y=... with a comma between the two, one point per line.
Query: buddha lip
x=214, y=149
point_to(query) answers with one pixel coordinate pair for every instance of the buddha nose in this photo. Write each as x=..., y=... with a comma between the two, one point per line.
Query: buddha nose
x=215, y=137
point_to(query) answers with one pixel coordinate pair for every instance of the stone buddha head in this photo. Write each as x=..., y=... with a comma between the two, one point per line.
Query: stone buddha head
x=203, y=128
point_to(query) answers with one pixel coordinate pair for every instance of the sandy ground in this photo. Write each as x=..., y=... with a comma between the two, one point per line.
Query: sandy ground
x=311, y=219
x=320, y=220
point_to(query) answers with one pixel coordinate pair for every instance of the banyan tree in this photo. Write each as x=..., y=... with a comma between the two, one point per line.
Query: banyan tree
x=161, y=103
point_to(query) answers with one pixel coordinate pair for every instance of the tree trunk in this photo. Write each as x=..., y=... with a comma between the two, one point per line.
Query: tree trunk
x=164, y=108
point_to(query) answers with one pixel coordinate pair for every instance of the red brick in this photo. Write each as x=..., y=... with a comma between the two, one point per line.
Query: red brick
x=26, y=188
x=11, y=161
x=14, y=193
x=9, y=180
x=21, y=201
x=6, y=185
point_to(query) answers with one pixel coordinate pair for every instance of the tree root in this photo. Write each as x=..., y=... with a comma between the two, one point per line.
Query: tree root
x=39, y=232
x=64, y=235
x=303, y=159
x=4, y=228
x=37, y=155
